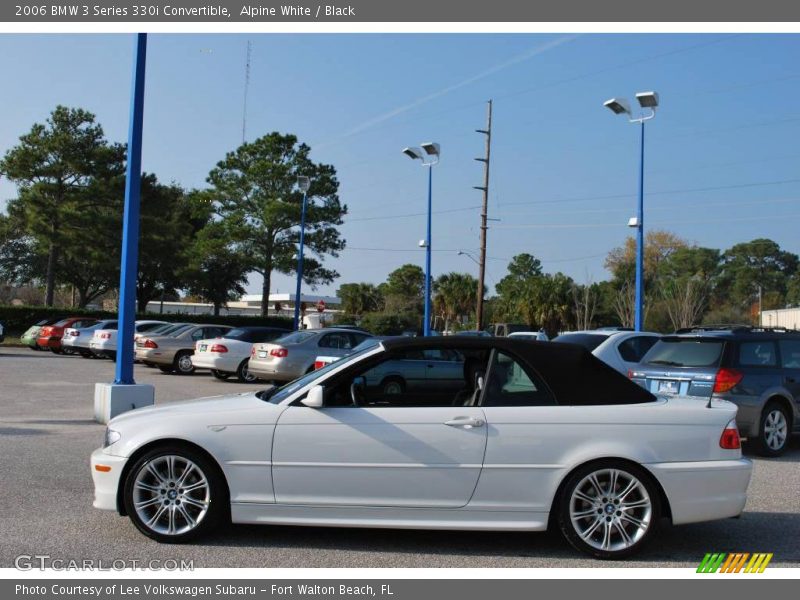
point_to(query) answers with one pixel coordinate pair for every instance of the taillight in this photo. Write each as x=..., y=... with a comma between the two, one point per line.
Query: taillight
x=150, y=344
x=630, y=373
x=726, y=380
x=729, y=440
x=105, y=336
x=253, y=352
x=318, y=364
x=279, y=352
x=75, y=333
x=218, y=348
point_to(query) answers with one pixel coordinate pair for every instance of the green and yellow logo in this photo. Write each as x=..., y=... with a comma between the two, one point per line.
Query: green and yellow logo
x=738, y=562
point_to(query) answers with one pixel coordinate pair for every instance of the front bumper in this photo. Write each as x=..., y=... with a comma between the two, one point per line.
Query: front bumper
x=704, y=490
x=106, y=483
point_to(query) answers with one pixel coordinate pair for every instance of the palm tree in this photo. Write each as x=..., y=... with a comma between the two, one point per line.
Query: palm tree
x=456, y=295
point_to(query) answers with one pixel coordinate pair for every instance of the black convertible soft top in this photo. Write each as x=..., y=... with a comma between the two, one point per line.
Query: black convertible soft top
x=573, y=374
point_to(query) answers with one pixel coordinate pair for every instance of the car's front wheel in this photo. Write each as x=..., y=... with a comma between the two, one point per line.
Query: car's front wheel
x=773, y=431
x=221, y=375
x=609, y=509
x=243, y=372
x=174, y=495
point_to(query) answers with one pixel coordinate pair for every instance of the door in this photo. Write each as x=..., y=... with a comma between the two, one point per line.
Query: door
x=363, y=448
x=790, y=365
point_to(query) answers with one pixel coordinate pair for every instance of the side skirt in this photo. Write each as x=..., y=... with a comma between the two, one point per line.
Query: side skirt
x=386, y=517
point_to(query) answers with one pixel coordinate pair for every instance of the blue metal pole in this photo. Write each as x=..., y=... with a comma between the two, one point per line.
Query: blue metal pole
x=300, y=264
x=129, y=266
x=426, y=328
x=639, y=316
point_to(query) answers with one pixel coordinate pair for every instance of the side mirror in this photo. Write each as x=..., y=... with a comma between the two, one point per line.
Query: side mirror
x=479, y=382
x=314, y=398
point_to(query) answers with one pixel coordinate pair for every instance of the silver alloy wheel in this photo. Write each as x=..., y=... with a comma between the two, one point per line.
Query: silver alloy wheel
x=610, y=510
x=248, y=376
x=171, y=495
x=775, y=429
x=185, y=363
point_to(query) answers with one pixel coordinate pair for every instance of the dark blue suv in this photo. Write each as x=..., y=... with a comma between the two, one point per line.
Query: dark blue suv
x=756, y=368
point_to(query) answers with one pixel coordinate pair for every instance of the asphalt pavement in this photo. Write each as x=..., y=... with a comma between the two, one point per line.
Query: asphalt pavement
x=47, y=433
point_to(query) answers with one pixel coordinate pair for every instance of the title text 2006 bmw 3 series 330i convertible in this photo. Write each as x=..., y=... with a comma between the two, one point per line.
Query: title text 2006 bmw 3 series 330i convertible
x=432, y=433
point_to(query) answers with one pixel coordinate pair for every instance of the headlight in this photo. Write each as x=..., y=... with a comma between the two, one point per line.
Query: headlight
x=111, y=437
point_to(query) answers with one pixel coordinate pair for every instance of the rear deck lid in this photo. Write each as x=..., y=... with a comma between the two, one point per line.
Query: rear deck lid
x=681, y=365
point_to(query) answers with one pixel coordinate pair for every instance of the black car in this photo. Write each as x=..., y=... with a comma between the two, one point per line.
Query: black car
x=756, y=368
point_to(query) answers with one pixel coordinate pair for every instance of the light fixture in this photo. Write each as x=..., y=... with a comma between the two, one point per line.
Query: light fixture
x=432, y=148
x=647, y=99
x=618, y=106
x=303, y=183
x=414, y=153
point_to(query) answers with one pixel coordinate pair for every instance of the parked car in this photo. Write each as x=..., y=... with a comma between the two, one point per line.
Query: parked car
x=618, y=348
x=163, y=329
x=538, y=433
x=505, y=329
x=77, y=339
x=756, y=368
x=230, y=355
x=293, y=355
x=2, y=332
x=50, y=335
x=322, y=361
x=538, y=336
x=173, y=353
x=31, y=335
x=104, y=341
x=472, y=333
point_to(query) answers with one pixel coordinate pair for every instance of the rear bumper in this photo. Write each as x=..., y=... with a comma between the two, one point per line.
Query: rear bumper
x=155, y=356
x=206, y=360
x=106, y=483
x=49, y=342
x=704, y=491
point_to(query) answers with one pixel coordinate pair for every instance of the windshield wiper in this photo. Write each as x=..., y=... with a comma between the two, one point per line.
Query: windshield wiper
x=267, y=394
x=669, y=363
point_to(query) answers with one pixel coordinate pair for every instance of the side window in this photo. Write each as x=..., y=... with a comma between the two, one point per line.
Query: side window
x=340, y=341
x=509, y=384
x=757, y=354
x=111, y=325
x=406, y=380
x=634, y=348
x=358, y=338
x=198, y=334
x=790, y=354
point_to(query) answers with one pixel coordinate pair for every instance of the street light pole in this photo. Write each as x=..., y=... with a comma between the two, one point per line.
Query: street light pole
x=638, y=323
x=432, y=150
x=303, y=183
x=619, y=106
x=426, y=328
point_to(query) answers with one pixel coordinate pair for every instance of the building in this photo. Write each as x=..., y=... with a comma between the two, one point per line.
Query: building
x=782, y=317
x=281, y=305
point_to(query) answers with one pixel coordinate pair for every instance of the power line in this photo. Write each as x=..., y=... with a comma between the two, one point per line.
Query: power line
x=421, y=214
x=682, y=222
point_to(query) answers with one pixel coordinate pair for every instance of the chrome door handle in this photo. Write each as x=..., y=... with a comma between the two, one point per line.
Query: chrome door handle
x=465, y=422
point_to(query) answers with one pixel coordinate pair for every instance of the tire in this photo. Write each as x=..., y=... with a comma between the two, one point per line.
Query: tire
x=112, y=355
x=166, y=370
x=629, y=503
x=774, y=428
x=56, y=351
x=68, y=351
x=86, y=354
x=392, y=386
x=243, y=374
x=221, y=375
x=182, y=364
x=191, y=503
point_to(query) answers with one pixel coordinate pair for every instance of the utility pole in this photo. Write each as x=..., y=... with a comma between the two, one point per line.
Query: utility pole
x=246, y=90
x=484, y=216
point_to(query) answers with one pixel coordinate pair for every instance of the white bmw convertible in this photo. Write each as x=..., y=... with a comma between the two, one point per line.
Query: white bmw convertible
x=527, y=435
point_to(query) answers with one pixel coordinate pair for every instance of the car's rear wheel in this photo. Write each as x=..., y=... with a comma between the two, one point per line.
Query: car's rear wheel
x=221, y=375
x=243, y=372
x=183, y=363
x=174, y=495
x=609, y=509
x=86, y=354
x=773, y=433
x=393, y=386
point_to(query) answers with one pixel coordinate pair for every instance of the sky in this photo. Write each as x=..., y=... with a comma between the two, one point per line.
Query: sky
x=721, y=163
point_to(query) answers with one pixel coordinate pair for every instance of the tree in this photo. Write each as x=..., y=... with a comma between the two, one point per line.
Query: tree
x=748, y=265
x=455, y=296
x=659, y=245
x=254, y=191
x=217, y=270
x=404, y=290
x=52, y=166
x=685, y=300
x=359, y=298
x=545, y=301
x=521, y=268
x=585, y=299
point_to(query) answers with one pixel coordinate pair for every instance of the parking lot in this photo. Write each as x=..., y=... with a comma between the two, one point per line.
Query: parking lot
x=47, y=433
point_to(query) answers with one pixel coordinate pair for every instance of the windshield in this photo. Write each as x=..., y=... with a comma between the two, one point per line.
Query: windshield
x=367, y=343
x=692, y=352
x=590, y=341
x=175, y=329
x=278, y=395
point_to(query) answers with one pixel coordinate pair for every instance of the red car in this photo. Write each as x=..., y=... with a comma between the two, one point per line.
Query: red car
x=50, y=335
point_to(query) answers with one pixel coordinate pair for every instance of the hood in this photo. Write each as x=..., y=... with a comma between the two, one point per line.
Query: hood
x=210, y=406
